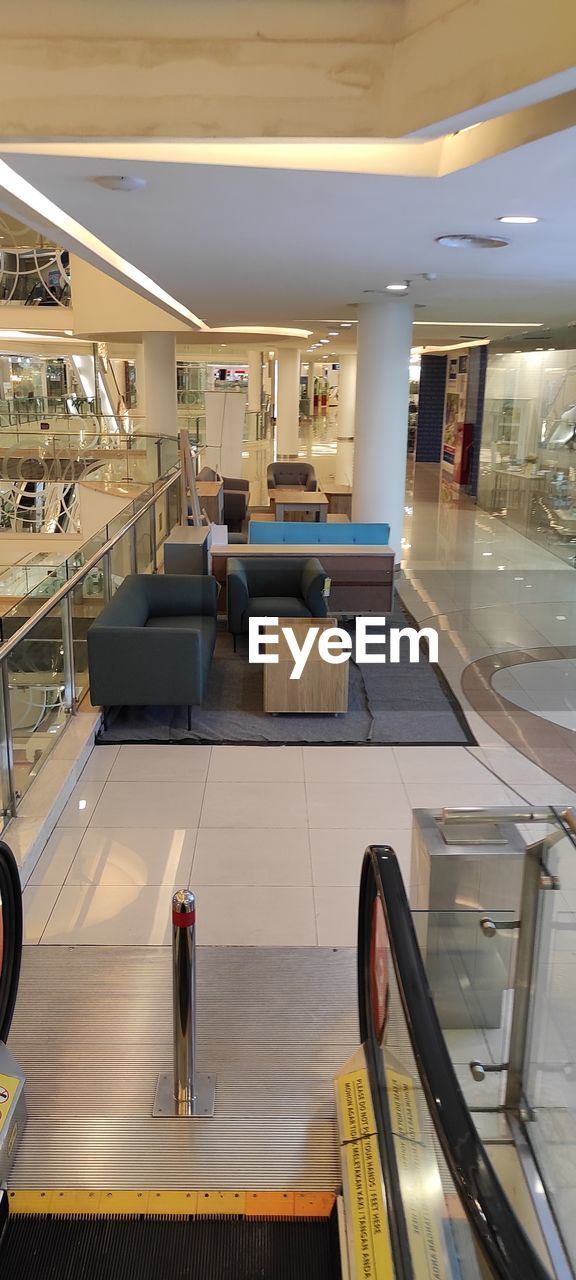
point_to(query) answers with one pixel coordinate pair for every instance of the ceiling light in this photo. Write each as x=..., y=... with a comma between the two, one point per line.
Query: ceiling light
x=397, y=288
x=333, y=333
x=458, y=241
x=323, y=342
x=560, y=617
x=518, y=219
x=120, y=182
x=346, y=324
x=487, y=553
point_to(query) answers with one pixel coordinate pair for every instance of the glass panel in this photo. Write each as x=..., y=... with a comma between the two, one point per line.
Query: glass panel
x=39, y=699
x=144, y=552
x=173, y=505
x=440, y=1239
x=550, y=1067
x=86, y=604
x=471, y=976
x=121, y=561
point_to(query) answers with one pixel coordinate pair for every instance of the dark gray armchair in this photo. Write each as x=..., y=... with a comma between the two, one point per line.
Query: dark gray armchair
x=292, y=475
x=153, y=643
x=271, y=587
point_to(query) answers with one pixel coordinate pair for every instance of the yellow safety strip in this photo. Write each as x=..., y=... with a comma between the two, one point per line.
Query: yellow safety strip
x=251, y=1204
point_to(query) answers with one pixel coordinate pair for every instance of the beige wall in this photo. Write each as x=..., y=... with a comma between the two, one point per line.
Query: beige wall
x=292, y=68
x=102, y=305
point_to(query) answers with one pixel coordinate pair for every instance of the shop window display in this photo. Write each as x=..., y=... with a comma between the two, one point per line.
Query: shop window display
x=528, y=452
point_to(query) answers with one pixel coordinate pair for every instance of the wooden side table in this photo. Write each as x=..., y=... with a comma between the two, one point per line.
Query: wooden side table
x=299, y=500
x=322, y=688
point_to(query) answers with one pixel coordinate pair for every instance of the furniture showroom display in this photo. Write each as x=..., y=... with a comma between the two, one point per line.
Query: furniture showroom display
x=153, y=643
x=339, y=499
x=300, y=501
x=322, y=687
x=186, y=549
x=291, y=475
x=235, y=495
x=362, y=577
x=268, y=587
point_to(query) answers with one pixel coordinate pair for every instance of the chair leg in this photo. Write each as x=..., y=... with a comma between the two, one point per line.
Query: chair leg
x=189, y=709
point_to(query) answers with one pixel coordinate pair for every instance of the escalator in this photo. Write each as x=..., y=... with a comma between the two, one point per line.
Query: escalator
x=420, y=1199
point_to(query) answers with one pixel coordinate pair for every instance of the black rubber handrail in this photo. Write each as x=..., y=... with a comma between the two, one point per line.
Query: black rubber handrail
x=11, y=946
x=498, y=1234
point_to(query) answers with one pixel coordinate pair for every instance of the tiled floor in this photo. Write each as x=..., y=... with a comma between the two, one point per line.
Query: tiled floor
x=270, y=838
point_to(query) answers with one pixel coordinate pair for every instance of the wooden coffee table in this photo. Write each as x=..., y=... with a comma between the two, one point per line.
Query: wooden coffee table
x=300, y=500
x=322, y=688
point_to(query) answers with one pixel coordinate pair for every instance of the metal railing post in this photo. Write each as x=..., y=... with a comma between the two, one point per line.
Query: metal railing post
x=68, y=653
x=8, y=745
x=185, y=1092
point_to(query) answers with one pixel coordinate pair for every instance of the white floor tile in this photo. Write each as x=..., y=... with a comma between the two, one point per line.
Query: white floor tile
x=256, y=764
x=80, y=807
x=132, y=856
x=103, y=916
x=337, y=854
x=277, y=856
x=350, y=764
x=452, y=794
x=426, y=764
x=249, y=916
x=511, y=766
x=551, y=792
x=37, y=902
x=99, y=764
x=254, y=804
x=164, y=763
x=336, y=917
x=149, y=804
x=57, y=858
x=383, y=807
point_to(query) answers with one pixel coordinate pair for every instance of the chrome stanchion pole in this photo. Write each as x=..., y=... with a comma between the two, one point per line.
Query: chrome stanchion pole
x=186, y=1092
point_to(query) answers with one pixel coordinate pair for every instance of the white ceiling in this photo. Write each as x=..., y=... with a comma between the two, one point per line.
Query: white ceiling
x=257, y=246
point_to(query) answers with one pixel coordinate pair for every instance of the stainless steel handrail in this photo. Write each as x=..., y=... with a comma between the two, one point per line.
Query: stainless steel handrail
x=68, y=587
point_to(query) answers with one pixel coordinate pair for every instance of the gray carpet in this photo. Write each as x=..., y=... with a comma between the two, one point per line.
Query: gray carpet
x=402, y=705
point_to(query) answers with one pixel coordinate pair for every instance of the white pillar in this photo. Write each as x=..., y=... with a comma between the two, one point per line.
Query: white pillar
x=156, y=384
x=346, y=413
x=254, y=381
x=382, y=397
x=287, y=412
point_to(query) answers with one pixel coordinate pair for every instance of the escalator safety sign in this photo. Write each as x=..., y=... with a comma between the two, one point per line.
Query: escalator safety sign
x=8, y=1087
x=370, y=1243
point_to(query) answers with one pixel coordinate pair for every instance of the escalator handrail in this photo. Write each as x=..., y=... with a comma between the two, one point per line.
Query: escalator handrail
x=496, y=1229
x=11, y=947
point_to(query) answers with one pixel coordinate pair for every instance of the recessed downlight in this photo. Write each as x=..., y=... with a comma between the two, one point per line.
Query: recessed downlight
x=518, y=219
x=332, y=333
x=120, y=182
x=397, y=288
x=347, y=324
x=471, y=242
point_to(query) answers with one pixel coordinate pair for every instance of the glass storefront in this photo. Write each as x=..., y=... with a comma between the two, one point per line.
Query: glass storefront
x=528, y=452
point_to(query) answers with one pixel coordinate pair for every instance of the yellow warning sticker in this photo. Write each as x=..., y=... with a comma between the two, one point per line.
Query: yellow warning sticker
x=8, y=1087
x=419, y=1175
x=356, y=1111
x=370, y=1242
x=370, y=1253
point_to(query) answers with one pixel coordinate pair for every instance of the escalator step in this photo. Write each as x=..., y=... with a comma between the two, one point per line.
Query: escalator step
x=71, y=1248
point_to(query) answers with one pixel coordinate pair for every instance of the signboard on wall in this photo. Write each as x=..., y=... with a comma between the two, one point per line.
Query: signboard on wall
x=454, y=408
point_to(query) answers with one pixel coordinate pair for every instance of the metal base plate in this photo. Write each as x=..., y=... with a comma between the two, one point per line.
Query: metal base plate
x=165, y=1103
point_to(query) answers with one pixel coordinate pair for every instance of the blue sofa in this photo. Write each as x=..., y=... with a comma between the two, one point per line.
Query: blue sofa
x=308, y=533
